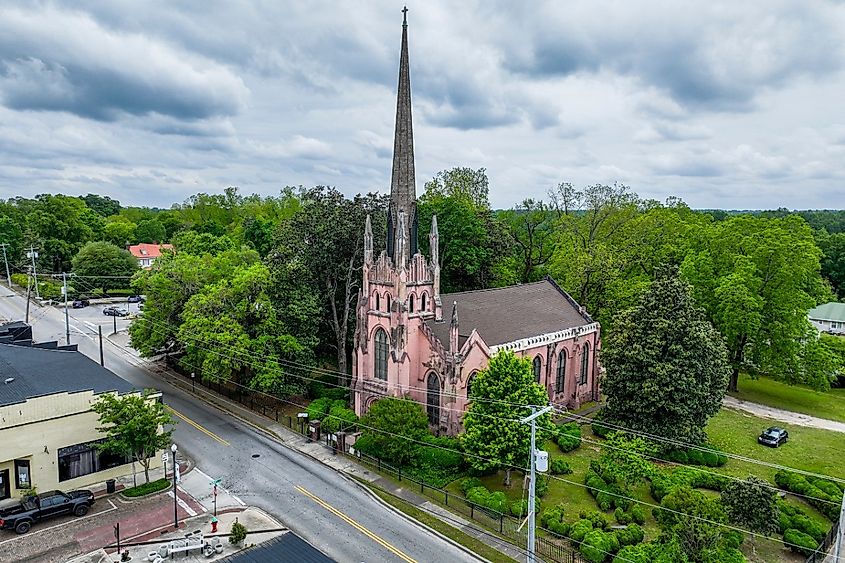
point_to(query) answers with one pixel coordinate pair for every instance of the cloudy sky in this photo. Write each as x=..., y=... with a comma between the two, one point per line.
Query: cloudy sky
x=725, y=104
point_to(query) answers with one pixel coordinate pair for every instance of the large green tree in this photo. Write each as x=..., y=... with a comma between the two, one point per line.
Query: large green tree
x=326, y=238
x=102, y=264
x=102, y=205
x=134, y=425
x=150, y=231
x=757, y=278
x=667, y=367
x=530, y=226
x=695, y=521
x=493, y=437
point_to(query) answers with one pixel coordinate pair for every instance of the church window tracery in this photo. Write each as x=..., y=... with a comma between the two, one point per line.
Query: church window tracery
x=585, y=361
x=381, y=349
x=561, y=371
x=537, y=368
x=411, y=303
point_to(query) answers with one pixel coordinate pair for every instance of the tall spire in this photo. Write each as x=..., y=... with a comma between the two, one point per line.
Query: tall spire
x=402, y=181
x=368, y=241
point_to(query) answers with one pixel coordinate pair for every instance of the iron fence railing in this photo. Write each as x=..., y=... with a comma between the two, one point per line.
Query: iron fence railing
x=820, y=553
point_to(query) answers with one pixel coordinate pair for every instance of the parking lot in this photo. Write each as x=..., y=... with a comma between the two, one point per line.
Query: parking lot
x=85, y=321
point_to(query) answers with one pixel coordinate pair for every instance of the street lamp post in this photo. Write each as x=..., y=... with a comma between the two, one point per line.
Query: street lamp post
x=532, y=420
x=193, y=385
x=173, y=449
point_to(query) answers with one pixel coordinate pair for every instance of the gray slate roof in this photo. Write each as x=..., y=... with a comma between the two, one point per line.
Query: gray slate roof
x=38, y=372
x=510, y=313
x=287, y=548
x=828, y=312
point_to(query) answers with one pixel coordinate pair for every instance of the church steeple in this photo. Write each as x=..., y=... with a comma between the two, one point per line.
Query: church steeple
x=402, y=181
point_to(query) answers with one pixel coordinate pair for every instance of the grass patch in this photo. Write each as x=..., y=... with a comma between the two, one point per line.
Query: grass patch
x=475, y=545
x=809, y=449
x=147, y=488
x=797, y=398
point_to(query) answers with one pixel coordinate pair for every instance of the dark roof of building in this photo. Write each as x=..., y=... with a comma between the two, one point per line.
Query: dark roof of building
x=511, y=313
x=287, y=548
x=37, y=372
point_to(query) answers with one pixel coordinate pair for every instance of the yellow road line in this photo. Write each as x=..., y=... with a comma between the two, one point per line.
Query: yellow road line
x=198, y=426
x=356, y=525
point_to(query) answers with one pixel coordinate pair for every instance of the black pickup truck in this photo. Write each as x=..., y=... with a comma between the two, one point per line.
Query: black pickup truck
x=35, y=508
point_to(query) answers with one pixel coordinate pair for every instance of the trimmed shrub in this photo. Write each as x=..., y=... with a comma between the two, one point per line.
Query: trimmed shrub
x=678, y=456
x=498, y=501
x=478, y=495
x=551, y=514
x=567, y=436
x=596, y=518
x=630, y=535
x=470, y=483
x=792, y=517
x=638, y=514
x=147, y=488
x=826, y=503
x=622, y=517
x=339, y=419
x=519, y=508
x=800, y=542
x=558, y=466
x=598, y=545
x=319, y=408
x=542, y=485
x=695, y=457
x=580, y=529
x=599, y=429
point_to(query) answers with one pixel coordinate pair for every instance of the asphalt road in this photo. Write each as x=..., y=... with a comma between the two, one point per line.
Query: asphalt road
x=316, y=502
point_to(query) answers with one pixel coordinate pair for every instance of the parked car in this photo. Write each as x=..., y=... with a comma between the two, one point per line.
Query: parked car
x=80, y=303
x=115, y=312
x=35, y=508
x=135, y=299
x=773, y=437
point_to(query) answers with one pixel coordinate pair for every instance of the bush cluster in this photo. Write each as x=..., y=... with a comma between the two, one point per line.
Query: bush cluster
x=599, y=428
x=567, y=436
x=825, y=495
x=552, y=519
x=593, y=538
x=693, y=456
x=496, y=501
x=319, y=408
x=439, y=463
x=793, y=518
x=635, y=515
x=800, y=542
x=558, y=466
x=319, y=390
x=607, y=495
x=665, y=482
x=339, y=418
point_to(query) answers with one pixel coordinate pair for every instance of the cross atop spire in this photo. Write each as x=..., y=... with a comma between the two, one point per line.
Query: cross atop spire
x=403, y=190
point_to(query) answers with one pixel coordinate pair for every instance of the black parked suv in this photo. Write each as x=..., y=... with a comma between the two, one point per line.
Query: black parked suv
x=773, y=437
x=135, y=299
x=35, y=508
x=80, y=303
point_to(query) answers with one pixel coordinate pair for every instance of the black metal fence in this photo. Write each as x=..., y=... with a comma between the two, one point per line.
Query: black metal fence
x=820, y=553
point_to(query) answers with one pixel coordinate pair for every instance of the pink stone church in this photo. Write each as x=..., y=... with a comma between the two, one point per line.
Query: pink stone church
x=405, y=346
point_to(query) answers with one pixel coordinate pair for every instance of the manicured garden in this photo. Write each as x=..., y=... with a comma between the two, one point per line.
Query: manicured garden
x=147, y=488
x=797, y=398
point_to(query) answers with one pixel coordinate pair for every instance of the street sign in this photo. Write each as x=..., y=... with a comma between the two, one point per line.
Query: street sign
x=178, y=475
x=165, y=457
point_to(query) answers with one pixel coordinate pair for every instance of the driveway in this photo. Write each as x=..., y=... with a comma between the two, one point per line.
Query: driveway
x=780, y=415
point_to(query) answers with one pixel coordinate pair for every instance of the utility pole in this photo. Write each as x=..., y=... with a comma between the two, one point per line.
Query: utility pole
x=28, y=292
x=6, y=260
x=33, y=255
x=538, y=463
x=840, y=536
x=100, y=331
x=67, y=321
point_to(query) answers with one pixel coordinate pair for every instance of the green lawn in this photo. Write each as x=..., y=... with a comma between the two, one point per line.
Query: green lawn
x=810, y=449
x=830, y=404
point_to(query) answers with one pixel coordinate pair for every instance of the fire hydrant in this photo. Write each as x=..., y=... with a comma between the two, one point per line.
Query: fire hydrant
x=213, y=524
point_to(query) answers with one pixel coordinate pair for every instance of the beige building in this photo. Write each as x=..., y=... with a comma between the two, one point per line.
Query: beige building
x=47, y=427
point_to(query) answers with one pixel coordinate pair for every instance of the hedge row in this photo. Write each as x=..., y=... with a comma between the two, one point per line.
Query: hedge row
x=693, y=456
x=147, y=488
x=635, y=515
x=793, y=518
x=567, y=436
x=799, y=542
x=665, y=482
x=825, y=495
x=439, y=463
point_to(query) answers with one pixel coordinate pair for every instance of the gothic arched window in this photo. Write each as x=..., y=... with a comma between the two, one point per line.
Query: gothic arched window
x=423, y=302
x=378, y=302
x=381, y=345
x=585, y=362
x=561, y=371
x=433, y=399
x=387, y=299
x=411, y=302
x=469, y=384
x=537, y=368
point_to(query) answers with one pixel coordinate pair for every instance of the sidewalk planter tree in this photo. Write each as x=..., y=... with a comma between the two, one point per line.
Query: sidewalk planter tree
x=134, y=426
x=237, y=534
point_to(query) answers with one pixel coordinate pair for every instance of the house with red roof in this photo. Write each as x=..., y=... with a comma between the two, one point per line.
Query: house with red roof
x=146, y=254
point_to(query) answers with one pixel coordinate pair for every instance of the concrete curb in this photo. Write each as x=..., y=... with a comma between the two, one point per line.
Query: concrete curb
x=273, y=435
